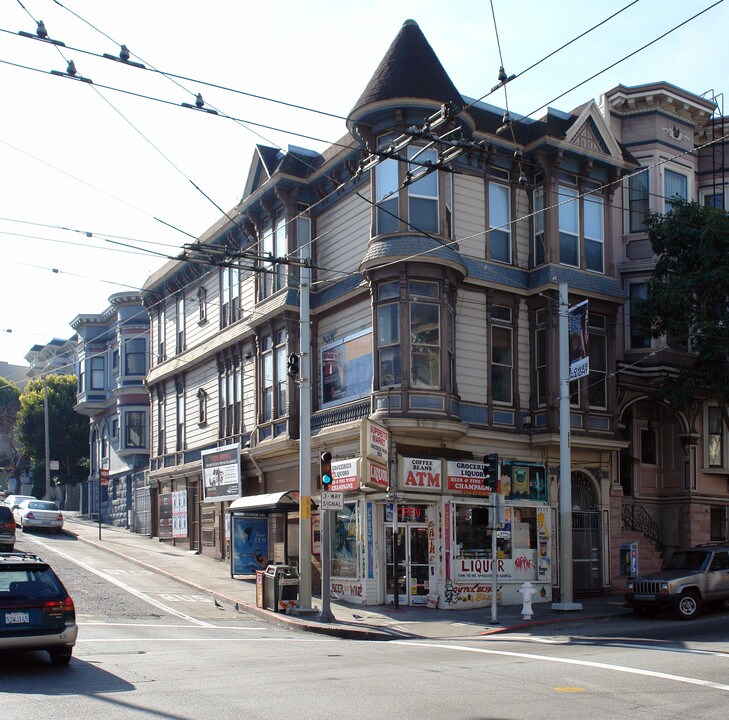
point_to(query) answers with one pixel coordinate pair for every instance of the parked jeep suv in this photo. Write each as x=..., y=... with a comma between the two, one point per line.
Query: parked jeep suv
x=689, y=580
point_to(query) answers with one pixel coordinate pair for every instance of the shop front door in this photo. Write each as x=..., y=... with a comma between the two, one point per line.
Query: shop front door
x=413, y=570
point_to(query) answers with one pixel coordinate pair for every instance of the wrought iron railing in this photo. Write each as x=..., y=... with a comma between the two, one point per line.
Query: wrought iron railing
x=637, y=518
x=344, y=414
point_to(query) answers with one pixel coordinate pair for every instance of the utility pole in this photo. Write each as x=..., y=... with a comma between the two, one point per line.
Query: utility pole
x=47, y=495
x=305, y=432
x=565, y=461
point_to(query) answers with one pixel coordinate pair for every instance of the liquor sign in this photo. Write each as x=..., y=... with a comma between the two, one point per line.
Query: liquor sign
x=345, y=475
x=421, y=474
x=375, y=441
x=221, y=473
x=104, y=476
x=376, y=476
x=466, y=477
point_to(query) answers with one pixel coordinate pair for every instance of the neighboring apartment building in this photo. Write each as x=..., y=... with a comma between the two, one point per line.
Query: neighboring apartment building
x=438, y=247
x=672, y=488
x=111, y=363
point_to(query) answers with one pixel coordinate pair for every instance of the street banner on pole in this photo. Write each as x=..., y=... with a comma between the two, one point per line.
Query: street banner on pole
x=579, y=346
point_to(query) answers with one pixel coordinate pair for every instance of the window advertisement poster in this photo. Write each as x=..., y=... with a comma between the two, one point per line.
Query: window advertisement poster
x=346, y=368
x=165, y=515
x=523, y=480
x=466, y=478
x=179, y=514
x=421, y=474
x=344, y=543
x=221, y=473
x=345, y=475
x=250, y=544
x=579, y=347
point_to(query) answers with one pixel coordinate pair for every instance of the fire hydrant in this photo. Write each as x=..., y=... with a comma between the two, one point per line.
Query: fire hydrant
x=527, y=591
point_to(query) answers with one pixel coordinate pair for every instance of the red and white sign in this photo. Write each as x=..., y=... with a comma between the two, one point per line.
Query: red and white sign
x=345, y=475
x=422, y=474
x=375, y=442
x=466, y=478
x=104, y=476
x=377, y=476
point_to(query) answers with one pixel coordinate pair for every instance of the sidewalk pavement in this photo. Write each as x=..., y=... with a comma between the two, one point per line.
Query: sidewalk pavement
x=380, y=622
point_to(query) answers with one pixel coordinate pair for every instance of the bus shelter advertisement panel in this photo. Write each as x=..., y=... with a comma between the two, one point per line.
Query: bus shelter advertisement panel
x=221, y=473
x=250, y=544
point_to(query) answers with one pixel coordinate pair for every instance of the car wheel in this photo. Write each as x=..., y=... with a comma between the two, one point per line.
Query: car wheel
x=60, y=657
x=688, y=605
x=646, y=612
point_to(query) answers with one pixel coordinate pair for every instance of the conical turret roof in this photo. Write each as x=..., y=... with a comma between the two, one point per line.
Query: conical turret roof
x=410, y=69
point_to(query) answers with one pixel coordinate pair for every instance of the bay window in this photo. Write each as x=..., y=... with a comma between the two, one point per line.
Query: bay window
x=539, y=239
x=638, y=202
x=423, y=193
x=424, y=335
x=715, y=437
x=98, y=375
x=135, y=429
x=594, y=233
x=229, y=296
x=675, y=187
x=569, y=226
x=597, y=381
x=274, y=376
x=135, y=356
x=388, y=335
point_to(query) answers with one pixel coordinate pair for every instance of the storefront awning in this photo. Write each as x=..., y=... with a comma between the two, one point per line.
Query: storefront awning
x=271, y=502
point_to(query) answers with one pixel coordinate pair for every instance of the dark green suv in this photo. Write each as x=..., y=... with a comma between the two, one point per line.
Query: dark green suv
x=689, y=580
x=7, y=528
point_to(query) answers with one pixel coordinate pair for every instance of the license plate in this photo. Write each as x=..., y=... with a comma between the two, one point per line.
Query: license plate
x=17, y=618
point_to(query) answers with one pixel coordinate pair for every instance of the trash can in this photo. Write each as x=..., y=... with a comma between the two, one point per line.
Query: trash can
x=280, y=587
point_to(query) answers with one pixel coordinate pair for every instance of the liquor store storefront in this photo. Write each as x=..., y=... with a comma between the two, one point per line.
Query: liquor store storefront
x=431, y=542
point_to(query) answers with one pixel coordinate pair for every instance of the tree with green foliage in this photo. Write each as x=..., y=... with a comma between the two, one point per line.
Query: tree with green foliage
x=688, y=301
x=68, y=431
x=10, y=457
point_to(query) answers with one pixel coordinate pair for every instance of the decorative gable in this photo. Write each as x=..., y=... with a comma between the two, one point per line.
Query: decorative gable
x=590, y=133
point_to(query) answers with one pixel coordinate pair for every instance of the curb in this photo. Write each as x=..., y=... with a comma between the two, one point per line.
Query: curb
x=288, y=621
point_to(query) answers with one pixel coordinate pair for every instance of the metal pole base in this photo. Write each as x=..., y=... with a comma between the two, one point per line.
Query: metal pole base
x=326, y=616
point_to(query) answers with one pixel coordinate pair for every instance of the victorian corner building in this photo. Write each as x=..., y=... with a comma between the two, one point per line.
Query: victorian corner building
x=438, y=231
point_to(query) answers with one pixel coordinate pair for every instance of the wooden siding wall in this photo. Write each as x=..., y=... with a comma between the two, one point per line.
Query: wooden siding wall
x=342, y=234
x=471, y=346
x=522, y=228
x=469, y=214
x=203, y=376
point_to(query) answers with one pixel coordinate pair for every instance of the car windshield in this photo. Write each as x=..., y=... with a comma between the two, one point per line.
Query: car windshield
x=687, y=560
x=40, y=505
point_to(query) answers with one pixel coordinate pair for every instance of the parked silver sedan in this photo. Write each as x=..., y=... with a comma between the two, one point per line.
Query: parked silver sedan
x=38, y=514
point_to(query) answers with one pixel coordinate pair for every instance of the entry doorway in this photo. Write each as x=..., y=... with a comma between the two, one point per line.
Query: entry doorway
x=586, y=536
x=412, y=577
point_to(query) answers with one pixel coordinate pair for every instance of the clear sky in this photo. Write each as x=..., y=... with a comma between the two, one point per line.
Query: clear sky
x=85, y=167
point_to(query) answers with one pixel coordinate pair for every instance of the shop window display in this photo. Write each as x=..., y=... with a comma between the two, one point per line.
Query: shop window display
x=344, y=542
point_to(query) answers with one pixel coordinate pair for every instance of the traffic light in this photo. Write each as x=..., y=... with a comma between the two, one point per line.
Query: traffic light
x=491, y=471
x=326, y=469
x=293, y=365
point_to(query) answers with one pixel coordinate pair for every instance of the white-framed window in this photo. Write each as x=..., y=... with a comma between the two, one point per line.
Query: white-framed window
x=275, y=376
x=229, y=295
x=97, y=371
x=502, y=355
x=594, y=220
x=499, y=222
x=675, y=186
x=569, y=226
